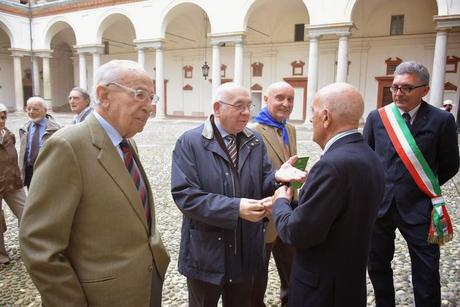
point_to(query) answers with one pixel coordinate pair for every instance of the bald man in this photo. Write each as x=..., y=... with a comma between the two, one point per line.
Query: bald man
x=331, y=225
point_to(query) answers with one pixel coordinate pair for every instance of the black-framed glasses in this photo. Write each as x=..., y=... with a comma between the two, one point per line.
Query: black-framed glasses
x=405, y=89
x=138, y=94
x=239, y=107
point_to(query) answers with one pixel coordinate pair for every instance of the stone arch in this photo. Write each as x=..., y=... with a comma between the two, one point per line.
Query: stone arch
x=108, y=18
x=55, y=26
x=4, y=26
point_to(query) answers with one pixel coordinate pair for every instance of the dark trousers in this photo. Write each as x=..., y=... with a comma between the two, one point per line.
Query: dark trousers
x=283, y=254
x=203, y=294
x=156, y=289
x=29, y=171
x=424, y=261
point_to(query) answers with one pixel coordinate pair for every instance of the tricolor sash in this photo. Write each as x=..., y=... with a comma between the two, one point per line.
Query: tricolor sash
x=441, y=230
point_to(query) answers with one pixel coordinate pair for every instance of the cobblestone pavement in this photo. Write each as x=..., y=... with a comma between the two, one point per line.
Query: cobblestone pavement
x=155, y=146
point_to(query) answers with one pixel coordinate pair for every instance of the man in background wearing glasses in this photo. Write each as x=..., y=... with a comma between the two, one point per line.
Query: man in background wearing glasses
x=222, y=181
x=404, y=205
x=88, y=236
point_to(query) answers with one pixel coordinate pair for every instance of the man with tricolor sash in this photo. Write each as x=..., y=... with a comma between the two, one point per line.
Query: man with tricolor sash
x=418, y=147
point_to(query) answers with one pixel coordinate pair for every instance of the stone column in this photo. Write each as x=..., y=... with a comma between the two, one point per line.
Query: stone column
x=141, y=57
x=82, y=68
x=215, y=67
x=342, y=58
x=36, y=76
x=439, y=69
x=96, y=64
x=18, y=89
x=159, y=80
x=239, y=63
x=47, y=81
x=312, y=73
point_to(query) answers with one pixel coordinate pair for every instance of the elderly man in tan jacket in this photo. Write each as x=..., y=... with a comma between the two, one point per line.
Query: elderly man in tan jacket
x=88, y=234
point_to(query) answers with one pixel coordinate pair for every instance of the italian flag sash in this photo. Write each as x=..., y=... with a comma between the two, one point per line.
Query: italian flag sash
x=440, y=227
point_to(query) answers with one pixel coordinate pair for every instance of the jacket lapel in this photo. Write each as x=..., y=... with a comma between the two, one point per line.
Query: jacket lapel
x=110, y=160
x=420, y=118
x=272, y=140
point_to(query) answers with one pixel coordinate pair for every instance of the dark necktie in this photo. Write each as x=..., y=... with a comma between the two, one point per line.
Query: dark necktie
x=136, y=176
x=35, y=146
x=231, y=147
x=406, y=117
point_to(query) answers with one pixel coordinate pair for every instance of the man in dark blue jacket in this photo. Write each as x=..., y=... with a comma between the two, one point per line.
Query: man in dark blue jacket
x=222, y=181
x=404, y=205
x=332, y=224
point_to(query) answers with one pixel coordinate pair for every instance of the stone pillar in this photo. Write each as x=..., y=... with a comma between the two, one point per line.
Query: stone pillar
x=141, y=57
x=36, y=76
x=312, y=73
x=82, y=68
x=342, y=58
x=215, y=67
x=238, y=79
x=47, y=94
x=18, y=90
x=96, y=64
x=439, y=69
x=159, y=80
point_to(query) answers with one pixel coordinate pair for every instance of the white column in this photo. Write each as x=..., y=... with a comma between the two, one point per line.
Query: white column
x=439, y=69
x=36, y=77
x=239, y=63
x=141, y=57
x=342, y=58
x=159, y=82
x=82, y=66
x=47, y=82
x=215, y=68
x=312, y=74
x=18, y=90
x=96, y=64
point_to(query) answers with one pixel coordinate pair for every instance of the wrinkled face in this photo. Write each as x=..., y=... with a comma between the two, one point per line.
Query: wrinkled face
x=280, y=102
x=234, y=113
x=317, y=120
x=76, y=102
x=35, y=111
x=408, y=101
x=119, y=106
x=2, y=120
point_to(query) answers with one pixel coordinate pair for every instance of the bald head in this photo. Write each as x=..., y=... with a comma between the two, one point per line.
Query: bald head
x=336, y=107
x=278, y=86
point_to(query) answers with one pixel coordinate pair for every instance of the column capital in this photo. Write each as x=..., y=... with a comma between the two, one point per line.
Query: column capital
x=227, y=37
x=82, y=49
x=343, y=35
x=17, y=52
x=43, y=53
x=339, y=29
x=314, y=36
x=446, y=23
x=156, y=43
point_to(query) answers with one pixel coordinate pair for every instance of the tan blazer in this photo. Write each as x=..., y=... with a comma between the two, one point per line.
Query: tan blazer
x=277, y=157
x=84, y=236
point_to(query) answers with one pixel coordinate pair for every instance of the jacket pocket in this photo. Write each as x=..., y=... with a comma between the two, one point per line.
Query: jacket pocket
x=207, y=251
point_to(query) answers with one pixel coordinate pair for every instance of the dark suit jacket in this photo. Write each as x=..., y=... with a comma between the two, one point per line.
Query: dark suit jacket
x=332, y=224
x=435, y=133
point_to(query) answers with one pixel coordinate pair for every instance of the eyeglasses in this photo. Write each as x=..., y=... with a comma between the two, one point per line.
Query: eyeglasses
x=139, y=95
x=239, y=107
x=405, y=89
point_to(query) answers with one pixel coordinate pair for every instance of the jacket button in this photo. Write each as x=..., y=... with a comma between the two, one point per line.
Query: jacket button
x=230, y=280
x=252, y=144
x=150, y=268
x=226, y=174
x=219, y=238
x=230, y=245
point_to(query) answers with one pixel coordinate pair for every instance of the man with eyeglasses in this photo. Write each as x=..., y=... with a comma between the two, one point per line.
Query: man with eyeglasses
x=88, y=233
x=406, y=135
x=280, y=139
x=222, y=181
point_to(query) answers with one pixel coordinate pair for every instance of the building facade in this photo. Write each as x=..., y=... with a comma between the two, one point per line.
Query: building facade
x=47, y=47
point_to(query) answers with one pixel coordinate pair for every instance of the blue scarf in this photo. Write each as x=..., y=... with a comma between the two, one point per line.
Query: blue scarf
x=265, y=118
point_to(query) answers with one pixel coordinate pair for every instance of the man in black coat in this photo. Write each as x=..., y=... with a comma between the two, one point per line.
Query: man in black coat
x=332, y=224
x=404, y=206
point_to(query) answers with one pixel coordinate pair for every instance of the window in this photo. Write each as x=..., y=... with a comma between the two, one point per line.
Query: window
x=397, y=25
x=299, y=32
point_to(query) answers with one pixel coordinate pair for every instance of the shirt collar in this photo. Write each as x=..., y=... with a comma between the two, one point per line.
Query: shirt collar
x=80, y=115
x=337, y=137
x=113, y=134
x=412, y=112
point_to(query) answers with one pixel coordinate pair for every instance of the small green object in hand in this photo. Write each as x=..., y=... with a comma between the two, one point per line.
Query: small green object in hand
x=300, y=164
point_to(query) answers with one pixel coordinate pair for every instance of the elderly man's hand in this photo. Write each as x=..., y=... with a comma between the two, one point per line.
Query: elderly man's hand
x=251, y=210
x=288, y=173
x=283, y=192
x=267, y=202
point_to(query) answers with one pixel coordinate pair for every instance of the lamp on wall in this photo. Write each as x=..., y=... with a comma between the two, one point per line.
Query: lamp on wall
x=205, y=67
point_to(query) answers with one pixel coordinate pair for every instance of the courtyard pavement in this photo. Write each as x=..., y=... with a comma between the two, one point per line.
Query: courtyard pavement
x=155, y=148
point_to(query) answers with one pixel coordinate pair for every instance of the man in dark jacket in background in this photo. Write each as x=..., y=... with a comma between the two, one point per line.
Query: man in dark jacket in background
x=222, y=181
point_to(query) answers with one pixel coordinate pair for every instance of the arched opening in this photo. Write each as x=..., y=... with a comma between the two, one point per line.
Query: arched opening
x=6, y=70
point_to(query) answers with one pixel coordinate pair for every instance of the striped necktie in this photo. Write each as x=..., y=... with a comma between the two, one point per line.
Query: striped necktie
x=231, y=147
x=407, y=118
x=136, y=176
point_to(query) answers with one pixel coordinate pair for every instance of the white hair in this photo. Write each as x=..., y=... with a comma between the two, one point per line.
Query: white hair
x=111, y=72
x=38, y=99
